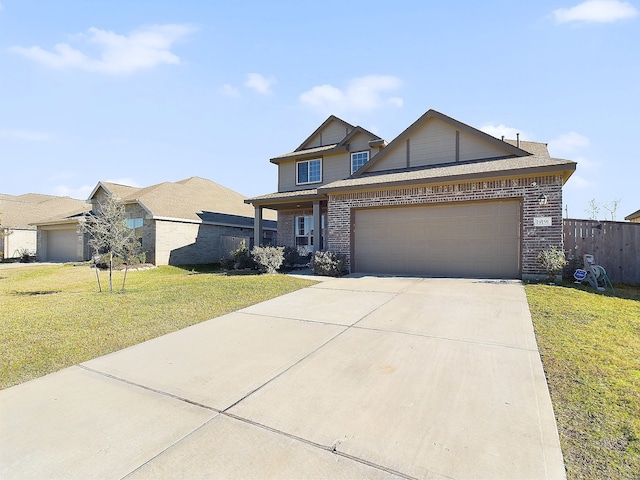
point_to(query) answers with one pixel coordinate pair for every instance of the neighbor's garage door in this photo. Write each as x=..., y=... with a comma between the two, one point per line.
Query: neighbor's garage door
x=62, y=245
x=475, y=239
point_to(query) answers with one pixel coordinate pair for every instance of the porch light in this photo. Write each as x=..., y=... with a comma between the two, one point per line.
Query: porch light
x=542, y=200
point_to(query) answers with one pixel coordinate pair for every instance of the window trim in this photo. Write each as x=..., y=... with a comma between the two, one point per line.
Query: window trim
x=298, y=182
x=357, y=153
x=309, y=235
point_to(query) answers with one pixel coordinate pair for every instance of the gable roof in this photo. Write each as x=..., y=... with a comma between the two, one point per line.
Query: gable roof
x=22, y=211
x=354, y=132
x=510, y=150
x=323, y=125
x=343, y=144
x=115, y=189
x=193, y=199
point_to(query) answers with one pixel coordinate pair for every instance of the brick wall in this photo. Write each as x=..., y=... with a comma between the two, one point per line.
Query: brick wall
x=180, y=243
x=528, y=190
x=287, y=226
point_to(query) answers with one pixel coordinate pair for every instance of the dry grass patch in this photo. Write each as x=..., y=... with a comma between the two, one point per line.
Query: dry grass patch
x=52, y=316
x=590, y=348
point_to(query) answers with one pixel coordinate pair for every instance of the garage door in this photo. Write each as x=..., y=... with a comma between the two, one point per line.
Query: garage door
x=62, y=245
x=475, y=240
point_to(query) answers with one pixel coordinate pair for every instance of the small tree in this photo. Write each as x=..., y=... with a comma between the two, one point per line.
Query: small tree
x=593, y=209
x=110, y=236
x=612, y=208
x=552, y=261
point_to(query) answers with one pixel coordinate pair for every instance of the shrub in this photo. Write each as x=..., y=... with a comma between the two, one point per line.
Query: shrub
x=291, y=257
x=328, y=264
x=552, y=261
x=227, y=263
x=269, y=259
x=25, y=255
x=240, y=259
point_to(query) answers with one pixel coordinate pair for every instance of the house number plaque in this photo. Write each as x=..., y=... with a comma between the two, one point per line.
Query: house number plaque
x=542, y=221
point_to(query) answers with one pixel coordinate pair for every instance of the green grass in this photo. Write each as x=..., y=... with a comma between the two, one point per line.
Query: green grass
x=590, y=348
x=52, y=317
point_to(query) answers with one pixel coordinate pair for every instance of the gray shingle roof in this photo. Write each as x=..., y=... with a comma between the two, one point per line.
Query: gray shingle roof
x=286, y=195
x=304, y=153
x=193, y=199
x=536, y=148
x=22, y=211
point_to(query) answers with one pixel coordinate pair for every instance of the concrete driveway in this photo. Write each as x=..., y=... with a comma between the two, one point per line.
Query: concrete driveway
x=358, y=377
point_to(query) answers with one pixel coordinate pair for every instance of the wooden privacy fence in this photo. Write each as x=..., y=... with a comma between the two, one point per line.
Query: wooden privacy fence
x=614, y=245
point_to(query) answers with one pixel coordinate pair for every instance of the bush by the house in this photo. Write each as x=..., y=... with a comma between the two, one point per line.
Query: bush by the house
x=329, y=264
x=291, y=257
x=552, y=261
x=269, y=259
x=25, y=255
x=573, y=263
x=239, y=259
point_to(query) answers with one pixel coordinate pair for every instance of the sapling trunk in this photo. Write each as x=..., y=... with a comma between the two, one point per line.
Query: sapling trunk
x=111, y=271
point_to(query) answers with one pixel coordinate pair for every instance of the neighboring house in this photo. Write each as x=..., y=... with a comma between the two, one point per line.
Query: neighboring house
x=441, y=199
x=192, y=221
x=17, y=214
x=634, y=217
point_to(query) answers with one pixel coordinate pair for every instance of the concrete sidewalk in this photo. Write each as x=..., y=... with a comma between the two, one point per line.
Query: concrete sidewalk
x=358, y=377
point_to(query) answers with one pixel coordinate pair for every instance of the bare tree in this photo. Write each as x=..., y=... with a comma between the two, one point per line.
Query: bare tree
x=612, y=208
x=109, y=236
x=593, y=209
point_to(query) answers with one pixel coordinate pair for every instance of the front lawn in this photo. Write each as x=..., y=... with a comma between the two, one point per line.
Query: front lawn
x=52, y=317
x=590, y=348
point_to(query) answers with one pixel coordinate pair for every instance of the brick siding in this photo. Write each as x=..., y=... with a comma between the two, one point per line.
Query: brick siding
x=527, y=190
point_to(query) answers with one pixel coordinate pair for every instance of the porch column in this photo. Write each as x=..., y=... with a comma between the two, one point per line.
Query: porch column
x=317, y=225
x=257, y=228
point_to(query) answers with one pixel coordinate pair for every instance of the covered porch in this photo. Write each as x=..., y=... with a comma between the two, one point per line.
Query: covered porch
x=301, y=219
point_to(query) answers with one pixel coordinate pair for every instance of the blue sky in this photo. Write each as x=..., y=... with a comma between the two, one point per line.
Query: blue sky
x=150, y=91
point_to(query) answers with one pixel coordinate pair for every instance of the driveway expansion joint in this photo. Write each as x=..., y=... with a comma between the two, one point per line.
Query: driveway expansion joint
x=150, y=389
x=327, y=448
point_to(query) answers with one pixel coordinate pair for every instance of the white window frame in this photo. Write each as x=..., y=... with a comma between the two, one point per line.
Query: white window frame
x=306, y=246
x=353, y=170
x=298, y=182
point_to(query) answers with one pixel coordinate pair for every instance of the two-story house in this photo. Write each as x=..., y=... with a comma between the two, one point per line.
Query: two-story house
x=441, y=199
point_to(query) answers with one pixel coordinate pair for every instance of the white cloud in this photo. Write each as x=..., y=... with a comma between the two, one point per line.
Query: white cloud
x=499, y=130
x=569, y=142
x=230, y=91
x=362, y=94
x=80, y=192
x=578, y=182
x=596, y=11
x=1, y=7
x=28, y=135
x=260, y=83
x=120, y=54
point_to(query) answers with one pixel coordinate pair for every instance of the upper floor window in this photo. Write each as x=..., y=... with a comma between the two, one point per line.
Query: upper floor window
x=309, y=171
x=358, y=159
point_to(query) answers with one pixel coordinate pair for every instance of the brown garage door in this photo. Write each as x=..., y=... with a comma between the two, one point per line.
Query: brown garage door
x=62, y=245
x=474, y=239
